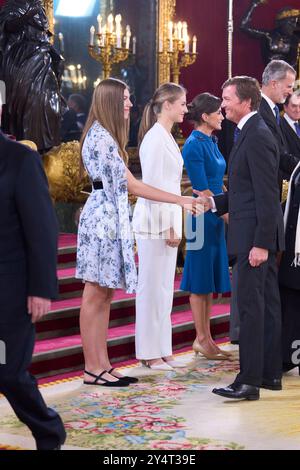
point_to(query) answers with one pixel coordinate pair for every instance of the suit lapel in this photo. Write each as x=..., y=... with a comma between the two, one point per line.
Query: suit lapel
x=172, y=147
x=270, y=120
x=240, y=140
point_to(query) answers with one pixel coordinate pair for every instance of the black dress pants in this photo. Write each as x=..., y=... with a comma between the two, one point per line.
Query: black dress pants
x=260, y=321
x=17, y=335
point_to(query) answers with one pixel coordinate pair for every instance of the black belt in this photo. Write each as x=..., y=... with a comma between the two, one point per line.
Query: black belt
x=97, y=185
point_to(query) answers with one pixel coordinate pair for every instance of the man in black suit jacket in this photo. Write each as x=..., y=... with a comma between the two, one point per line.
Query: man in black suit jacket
x=255, y=234
x=277, y=84
x=290, y=123
x=28, y=252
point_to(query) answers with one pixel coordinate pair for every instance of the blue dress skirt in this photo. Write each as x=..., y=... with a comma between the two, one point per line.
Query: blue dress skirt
x=206, y=267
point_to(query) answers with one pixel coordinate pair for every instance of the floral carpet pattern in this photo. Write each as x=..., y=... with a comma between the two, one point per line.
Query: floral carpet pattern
x=141, y=416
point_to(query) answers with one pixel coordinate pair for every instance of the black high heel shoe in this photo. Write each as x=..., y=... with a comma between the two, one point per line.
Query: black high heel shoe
x=124, y=378
x=105, y=382
x=287, y=366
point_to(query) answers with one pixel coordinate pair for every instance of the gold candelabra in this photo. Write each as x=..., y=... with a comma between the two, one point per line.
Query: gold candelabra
x=112, y=45
x=174, y=51
x=74, y=78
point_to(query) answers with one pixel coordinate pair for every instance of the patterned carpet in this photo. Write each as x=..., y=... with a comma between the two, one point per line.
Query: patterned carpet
x=167, y=411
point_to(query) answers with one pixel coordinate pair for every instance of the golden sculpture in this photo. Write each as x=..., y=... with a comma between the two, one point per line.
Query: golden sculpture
x=48, y=4
x=62, y=168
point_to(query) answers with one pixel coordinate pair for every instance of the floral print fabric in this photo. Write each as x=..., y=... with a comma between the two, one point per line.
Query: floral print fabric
x=105, y=251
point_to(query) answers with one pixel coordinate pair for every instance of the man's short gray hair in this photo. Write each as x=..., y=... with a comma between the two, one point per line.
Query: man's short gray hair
x=276, y=70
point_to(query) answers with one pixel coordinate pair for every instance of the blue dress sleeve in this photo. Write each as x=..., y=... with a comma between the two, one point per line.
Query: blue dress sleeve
x=194, y=160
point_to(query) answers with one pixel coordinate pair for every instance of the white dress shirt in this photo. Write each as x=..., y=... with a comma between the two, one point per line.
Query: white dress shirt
x=291, y=122
x=270, y=103
x=240, y=125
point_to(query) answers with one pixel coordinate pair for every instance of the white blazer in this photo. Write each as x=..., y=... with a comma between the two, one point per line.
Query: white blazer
x=162, y=164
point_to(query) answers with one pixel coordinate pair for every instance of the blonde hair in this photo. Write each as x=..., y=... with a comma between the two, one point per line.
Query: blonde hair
x=108, y=109
x=166, y=92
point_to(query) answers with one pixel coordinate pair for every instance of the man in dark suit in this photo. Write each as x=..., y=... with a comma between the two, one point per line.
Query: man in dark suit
x=255, y=234
x=290, y=123
x=277, y=84
x=28, y=252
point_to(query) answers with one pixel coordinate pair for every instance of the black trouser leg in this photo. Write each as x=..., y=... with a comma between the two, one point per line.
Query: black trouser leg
x=272, y=330
x=20, y=388
x=250, y=299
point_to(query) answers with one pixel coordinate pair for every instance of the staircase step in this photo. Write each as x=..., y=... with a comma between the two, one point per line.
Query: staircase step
x=63, y=319
x=59, y=355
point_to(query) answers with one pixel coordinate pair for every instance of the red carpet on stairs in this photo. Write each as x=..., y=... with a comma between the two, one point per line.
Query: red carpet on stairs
x=58, y=347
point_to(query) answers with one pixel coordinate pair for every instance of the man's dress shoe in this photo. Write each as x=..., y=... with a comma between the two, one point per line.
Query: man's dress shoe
x=271, y=384
x=238, y=392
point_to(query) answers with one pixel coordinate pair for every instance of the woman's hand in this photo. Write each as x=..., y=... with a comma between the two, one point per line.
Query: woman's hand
x=173, y=241
x=192, y=205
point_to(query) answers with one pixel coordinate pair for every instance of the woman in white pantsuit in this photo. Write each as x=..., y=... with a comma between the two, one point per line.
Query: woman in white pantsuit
x=158, y=227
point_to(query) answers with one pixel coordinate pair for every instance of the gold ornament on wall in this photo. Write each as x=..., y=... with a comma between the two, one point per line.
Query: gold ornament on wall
x=62, y=166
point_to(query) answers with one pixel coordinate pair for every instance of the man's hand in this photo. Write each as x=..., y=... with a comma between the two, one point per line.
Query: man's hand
x=225, y=217
x=173, y=241
x=257, y=256
x=37, y=307
x=203, y=200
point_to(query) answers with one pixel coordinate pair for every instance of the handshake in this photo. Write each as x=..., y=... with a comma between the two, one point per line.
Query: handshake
x=196, y=206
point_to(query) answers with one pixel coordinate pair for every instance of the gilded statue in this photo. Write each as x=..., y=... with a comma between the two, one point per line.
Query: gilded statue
x=280, y=42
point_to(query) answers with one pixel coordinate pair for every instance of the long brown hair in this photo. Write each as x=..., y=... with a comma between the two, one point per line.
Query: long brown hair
x=108, y=109
x=166, y=92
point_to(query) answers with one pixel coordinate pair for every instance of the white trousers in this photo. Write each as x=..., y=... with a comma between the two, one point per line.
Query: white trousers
x=154, y=299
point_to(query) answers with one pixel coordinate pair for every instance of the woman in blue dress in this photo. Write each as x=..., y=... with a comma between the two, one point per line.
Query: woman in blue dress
x=206, y=264
x=105, y=257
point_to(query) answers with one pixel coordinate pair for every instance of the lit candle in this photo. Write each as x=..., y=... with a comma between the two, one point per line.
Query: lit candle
x=184, y=30
x=134, y=45
x=103, y=36
x=61, y=42
x=92, y=34
x=179, y=28
x=99, y=19
x=73, y=73
x=170, y=29
x=187, y=45
x=118, y=30
x=194, y=44
x=110, y=23
x=175, y=31
x=128, y=36
x=161, y=45
x=171, y=45
x=79, y=75
x=118, y=19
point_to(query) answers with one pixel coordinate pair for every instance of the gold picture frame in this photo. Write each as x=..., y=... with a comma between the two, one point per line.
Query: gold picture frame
x=166, y=11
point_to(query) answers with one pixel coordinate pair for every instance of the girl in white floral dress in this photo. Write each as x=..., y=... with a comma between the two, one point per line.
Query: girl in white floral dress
x=105, y=257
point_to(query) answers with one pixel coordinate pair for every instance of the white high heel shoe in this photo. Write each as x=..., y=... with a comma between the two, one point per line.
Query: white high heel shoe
x=175, y=364
x=159, y=366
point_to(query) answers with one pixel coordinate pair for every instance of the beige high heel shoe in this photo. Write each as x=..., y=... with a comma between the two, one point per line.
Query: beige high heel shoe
x=159, y=366
x=197, y=348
